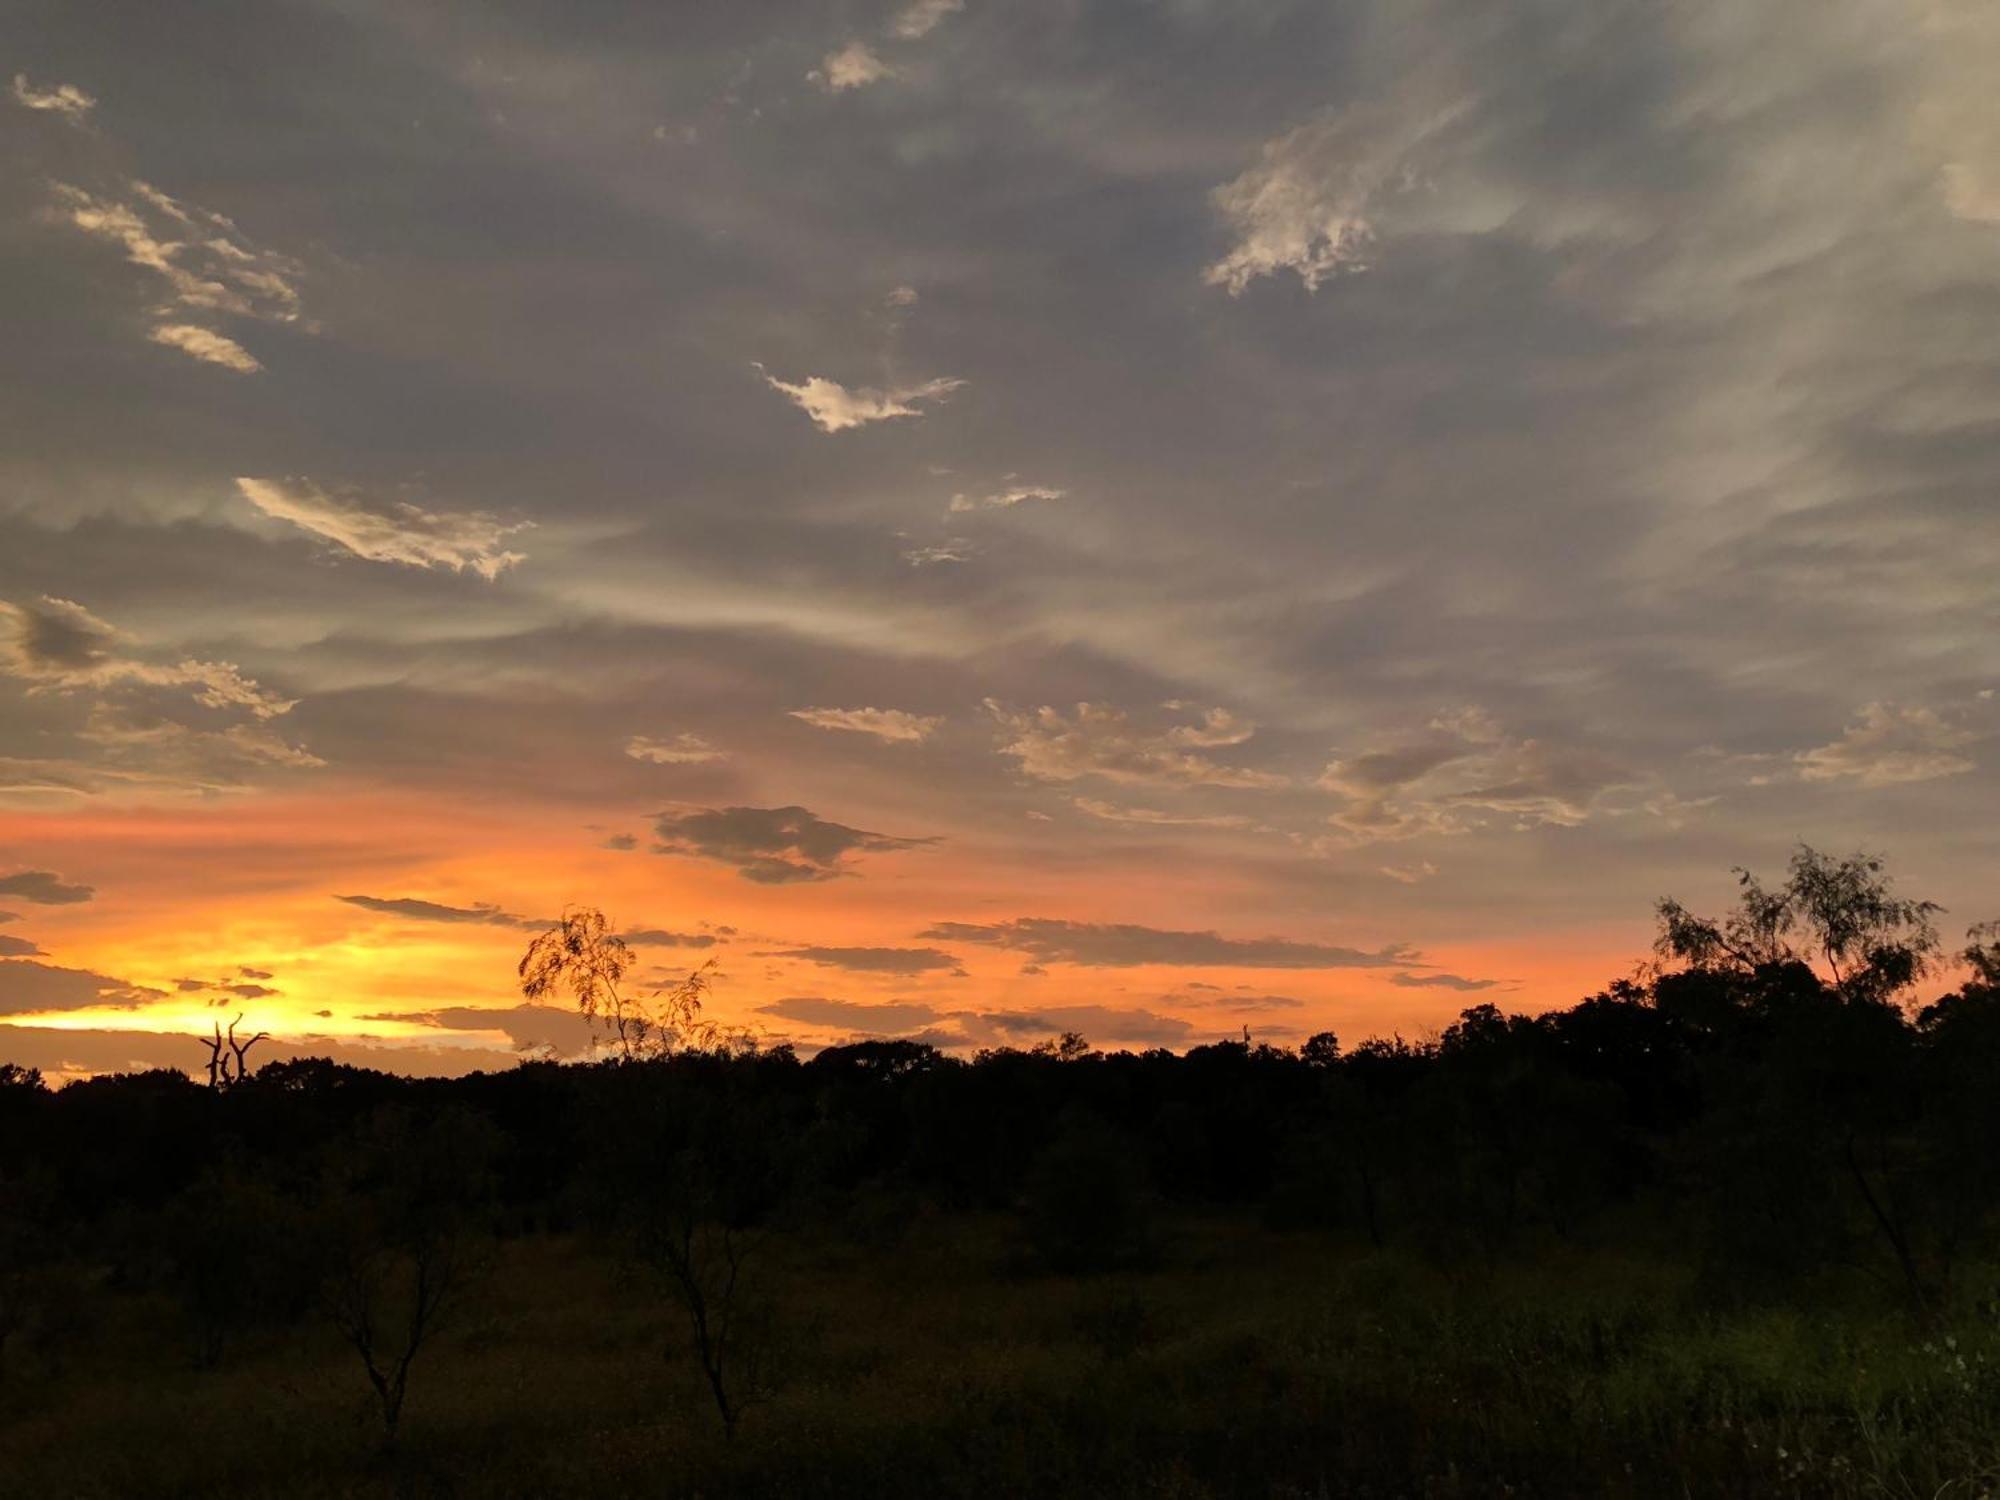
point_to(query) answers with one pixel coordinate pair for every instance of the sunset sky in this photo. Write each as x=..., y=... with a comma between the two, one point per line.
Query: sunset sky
x=1147, y=518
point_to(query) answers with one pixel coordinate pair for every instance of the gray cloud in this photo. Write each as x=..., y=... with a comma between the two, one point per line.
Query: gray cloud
x=44, y=888
x=771, y=845
x=1440, y=982
x=853, y=1015
x=419, y=910
x=873, y=960
x=15, y=947
x=27, y=987
x=660, y=937
x=1122, y=945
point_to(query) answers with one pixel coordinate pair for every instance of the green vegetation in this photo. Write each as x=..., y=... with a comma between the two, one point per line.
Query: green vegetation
x=1732, y=1229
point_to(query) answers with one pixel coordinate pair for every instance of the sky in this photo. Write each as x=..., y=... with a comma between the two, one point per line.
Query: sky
x=1144, y=517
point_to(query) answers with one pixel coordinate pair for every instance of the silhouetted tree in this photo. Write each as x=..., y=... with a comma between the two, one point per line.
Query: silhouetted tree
x=580, y=953
x=403, y=1234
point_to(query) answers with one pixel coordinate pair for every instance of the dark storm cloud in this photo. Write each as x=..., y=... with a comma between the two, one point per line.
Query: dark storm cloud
x=771, y=845
x=44, y=887
x=873, y=960
x=1123, y=945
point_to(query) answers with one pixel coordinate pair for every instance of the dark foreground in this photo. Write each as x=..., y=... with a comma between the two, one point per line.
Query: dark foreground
x=919, y=1357
x=1733, y=1229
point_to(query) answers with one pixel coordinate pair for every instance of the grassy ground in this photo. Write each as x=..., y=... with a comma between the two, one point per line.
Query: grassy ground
x=1243, y=1363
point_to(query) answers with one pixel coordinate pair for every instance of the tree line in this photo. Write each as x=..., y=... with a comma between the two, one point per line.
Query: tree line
x=1776, y=1096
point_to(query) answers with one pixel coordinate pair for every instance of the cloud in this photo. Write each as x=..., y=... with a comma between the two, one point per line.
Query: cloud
x=419, y=910
x=1890, y=745
x=1111, y=812
x=956, y=550
x=1310, y=202
x=1005, y=499
x=390, y=531
x=852, y=1015
x=919, y=18
x=65, y=99
x=206, y=345
x=44, y=888
x=834, y=408
x=1218, y=726
x=852, y=67
x=771, y=845
x=1409, y=874
x=60, y=645
x=1463, y=772
x=682, y=750
x=624, y=843
x=892, y=724
x=203, y=258
x=15, y=947
x=1124, y=945
x=874, y=960
x=1440, y=982
x=1103, y=742
x=660, y=937
x=27, y=988
x=529, y=1028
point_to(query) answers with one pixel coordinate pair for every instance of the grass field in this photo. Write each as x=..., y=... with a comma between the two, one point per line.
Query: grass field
x=928, y=1357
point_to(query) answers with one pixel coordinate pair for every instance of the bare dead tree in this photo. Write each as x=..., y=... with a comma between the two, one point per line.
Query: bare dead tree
x=217, y=1069
x=229, y=1055
x=241, y=1049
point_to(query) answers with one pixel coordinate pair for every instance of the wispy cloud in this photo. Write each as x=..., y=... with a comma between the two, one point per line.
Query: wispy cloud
x=390, y=531
x=1100, y=741
x=65, y=99
x=1464, y=771
x=1126, y=945
x=853, y=66
x=920, y=18
x=684, y=749
x=207, y=345
x=892, y=724
x=1891, y=744
x=834, y=407
x=1111, y=812
x=1440, y=982
x=1004, y=499
x=874, y=960
x=59, y=645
